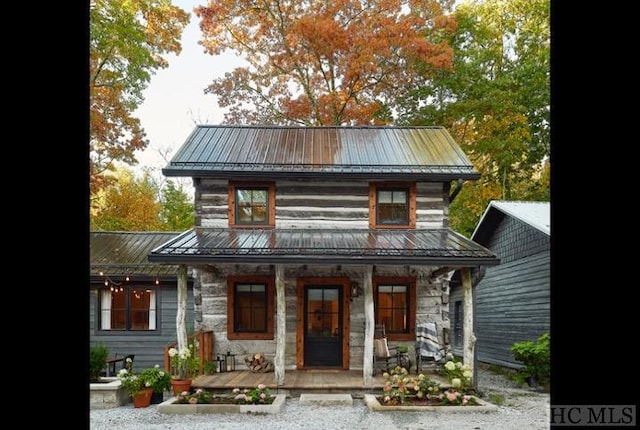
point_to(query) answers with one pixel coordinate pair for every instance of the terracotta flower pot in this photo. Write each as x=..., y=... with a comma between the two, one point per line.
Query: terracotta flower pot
x=180, y=385
x=143, y=398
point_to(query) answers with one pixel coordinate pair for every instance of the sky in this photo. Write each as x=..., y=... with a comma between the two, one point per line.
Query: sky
x=174, y=101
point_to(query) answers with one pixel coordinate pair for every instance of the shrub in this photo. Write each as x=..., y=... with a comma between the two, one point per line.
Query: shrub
x=97, y=361
x=536, y=357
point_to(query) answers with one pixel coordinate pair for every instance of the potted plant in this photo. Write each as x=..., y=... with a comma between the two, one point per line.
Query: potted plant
x=97, y=361
x=137, y=387
x=184, y=366
x=158, y=380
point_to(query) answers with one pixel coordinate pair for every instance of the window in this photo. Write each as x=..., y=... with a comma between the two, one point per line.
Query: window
x=394, y=306
x=251, y=204
x=392, y=205
x=457, y=324
x=250, y=307
x=128, y=308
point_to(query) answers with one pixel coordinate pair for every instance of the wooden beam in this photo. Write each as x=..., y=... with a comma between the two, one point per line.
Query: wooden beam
x=369, y=324
x=181, y=315
x=469, y=338
x=281, y=325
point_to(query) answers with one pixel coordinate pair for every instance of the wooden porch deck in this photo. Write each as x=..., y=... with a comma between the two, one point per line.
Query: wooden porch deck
x=299, y=381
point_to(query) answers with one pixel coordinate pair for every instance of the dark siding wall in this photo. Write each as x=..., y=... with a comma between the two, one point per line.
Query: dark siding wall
x=148, y=347
x=512, y=301
x=512, y=305
x=514, y=239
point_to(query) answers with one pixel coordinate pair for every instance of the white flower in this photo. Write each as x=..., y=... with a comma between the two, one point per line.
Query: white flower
x=467, y=374
x=173, y=352
x=450, y=365
x=456, y=382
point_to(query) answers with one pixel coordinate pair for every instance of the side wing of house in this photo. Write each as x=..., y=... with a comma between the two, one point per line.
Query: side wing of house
x=512, y=300
x=132, y=303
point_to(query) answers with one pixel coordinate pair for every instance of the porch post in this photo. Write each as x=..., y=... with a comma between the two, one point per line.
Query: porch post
x=181, y=315
x=281, y=325
x=369, y=323
x=469, y=338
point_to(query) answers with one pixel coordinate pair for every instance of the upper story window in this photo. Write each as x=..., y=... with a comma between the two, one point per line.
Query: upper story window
x=392, y=205
x=250, y=307
x=251, y=204
x=394, y=306
x=128, y=308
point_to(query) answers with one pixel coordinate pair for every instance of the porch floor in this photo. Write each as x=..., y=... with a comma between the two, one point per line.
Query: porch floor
x=300, y=381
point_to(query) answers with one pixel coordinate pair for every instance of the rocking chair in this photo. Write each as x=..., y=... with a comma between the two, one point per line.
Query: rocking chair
x=385, y=358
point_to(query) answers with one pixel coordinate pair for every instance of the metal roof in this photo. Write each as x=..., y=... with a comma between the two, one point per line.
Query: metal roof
x=363, y=152
x=125, y=253
x=336, y=246
x=536, y=214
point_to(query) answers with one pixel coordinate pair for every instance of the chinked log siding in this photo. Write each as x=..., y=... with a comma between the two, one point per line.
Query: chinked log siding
x=211, y=310
x=313, y=204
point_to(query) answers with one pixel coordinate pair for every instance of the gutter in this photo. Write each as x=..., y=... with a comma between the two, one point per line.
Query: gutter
x=456, y=190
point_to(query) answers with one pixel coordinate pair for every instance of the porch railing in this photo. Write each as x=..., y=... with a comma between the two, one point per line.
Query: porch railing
x=203, y=341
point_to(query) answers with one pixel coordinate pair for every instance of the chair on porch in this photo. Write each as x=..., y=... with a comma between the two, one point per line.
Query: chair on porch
x=385, y=358
x=428, y=348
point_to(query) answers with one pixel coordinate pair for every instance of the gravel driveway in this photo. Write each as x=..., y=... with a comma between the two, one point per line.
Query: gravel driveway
x=521, y=408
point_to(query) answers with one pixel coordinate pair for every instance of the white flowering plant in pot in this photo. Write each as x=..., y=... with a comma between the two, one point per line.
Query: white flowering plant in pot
x=184, y=363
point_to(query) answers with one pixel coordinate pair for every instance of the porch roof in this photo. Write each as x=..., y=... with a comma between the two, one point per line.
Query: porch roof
x=337, y=246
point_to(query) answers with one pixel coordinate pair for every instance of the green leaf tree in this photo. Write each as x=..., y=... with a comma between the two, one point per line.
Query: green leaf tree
x=177, y=211
x=495, y=102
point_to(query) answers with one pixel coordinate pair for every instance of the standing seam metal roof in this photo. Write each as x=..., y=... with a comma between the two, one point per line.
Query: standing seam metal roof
x=232, y=150
x=437, y=246
x=126, y=253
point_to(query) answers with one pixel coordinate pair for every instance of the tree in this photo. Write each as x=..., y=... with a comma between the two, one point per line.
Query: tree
x=129, y=204
x=321, y=62
x=495, y=102
x=128, y=39
x=177, y=211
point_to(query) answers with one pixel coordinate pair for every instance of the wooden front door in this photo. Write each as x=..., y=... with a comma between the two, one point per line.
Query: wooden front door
x=323, y=316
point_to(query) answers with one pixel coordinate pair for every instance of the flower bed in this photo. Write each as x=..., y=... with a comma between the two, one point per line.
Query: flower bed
x=423, y=406
x=248, y=400
x=172, y=406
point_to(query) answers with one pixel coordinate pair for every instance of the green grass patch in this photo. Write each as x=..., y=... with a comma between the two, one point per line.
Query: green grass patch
x=496, y=399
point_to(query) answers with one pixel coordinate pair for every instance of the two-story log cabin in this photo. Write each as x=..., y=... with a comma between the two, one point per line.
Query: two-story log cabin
x=306, y=237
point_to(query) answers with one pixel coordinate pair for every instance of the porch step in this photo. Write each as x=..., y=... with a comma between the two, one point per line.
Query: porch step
x=325, y=399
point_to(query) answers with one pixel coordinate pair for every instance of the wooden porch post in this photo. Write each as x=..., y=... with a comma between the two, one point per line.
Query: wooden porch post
x=469, y=338
x=281, y=325
x=369, y=324
x=181, y=315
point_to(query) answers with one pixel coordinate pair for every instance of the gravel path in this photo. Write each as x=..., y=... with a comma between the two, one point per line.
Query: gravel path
x=522, y=408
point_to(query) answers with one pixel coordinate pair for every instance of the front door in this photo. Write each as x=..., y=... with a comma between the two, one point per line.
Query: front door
x=323, y=325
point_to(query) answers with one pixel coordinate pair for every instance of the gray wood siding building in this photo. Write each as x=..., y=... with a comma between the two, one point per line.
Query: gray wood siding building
x=512, y=300
x=119, y=260
x=148, y=346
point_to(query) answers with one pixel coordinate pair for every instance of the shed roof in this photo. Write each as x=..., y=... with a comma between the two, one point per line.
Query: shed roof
x=124, y=253
x=536, y=214
x=336, y=246
x=363, y=152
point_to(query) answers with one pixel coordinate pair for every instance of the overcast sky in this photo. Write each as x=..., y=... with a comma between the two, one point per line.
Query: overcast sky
x=175, y=100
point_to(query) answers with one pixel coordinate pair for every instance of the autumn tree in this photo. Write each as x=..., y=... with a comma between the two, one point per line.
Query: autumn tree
x=495, y=102
x=128, y=39
x=127, y=204
x=323, y=62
